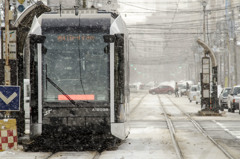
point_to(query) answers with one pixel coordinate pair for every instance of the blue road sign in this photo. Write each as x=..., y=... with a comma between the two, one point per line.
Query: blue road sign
x=9, y=98
x=21, y=8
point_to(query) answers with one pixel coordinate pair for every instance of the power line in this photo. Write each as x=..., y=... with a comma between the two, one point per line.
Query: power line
x=182, y=22
x=182, y=11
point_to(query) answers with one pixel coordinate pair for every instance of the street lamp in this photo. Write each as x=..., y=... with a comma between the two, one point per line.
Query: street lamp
x=204, y=3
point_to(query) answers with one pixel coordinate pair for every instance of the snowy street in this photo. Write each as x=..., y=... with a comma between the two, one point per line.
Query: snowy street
x=150, y=137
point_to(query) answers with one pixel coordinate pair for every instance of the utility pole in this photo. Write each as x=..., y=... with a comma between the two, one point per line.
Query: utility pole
x=234, y=47
x=7, y=66
x=228, y=61
x=204, y=3
x=235, y=60
x=1, y=14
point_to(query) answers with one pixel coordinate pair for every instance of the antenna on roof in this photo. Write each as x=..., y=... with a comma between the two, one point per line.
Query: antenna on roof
x=60, y=6
x=76, y=10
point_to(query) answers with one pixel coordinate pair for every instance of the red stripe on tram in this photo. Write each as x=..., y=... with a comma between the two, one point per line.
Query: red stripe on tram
x=77, y=97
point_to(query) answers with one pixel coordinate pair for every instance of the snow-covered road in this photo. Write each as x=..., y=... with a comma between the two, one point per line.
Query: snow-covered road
x=150, y=138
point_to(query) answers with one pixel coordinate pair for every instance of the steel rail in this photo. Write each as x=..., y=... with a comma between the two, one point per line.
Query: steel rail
x=172, y=131
x=48, y=157
x=133, y=97
x=137, y=105
x=95, y=156
x=203, y=132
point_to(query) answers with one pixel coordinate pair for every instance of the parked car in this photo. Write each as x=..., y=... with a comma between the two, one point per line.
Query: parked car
x=136, y=86
x=162, y=89
x=193, y=92
x=150, y=85
x=198, y=95
x=133, y=87
x=233, y=99
x=182, y=89
x=223, y=98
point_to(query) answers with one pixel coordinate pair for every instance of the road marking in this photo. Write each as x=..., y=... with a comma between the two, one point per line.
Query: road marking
x=233, y=133
x=9, y=99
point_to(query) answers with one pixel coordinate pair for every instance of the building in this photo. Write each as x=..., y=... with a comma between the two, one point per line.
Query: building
x=163, y=42
x=108, y=5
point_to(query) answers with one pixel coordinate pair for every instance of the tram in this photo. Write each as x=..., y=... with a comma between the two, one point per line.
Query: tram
x=77, y=79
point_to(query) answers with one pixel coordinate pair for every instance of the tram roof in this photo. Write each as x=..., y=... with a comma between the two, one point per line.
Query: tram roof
x=55, y=20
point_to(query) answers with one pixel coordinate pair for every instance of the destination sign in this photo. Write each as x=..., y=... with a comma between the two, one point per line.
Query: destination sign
x=72, y=37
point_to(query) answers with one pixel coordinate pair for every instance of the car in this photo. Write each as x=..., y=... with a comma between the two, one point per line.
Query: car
x=182, y=89
x=193, y=92
x=233, y=99
x=162, y=89
x=133, y=87
x=198, y=95
x=136, y=86
x=150, y=85
x=223, y=98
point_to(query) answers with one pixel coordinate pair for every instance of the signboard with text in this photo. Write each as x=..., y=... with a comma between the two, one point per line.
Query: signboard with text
x=12, y=46
x=205, y=82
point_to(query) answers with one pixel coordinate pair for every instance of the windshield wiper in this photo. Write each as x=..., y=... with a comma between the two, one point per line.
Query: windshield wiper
x=63, y=93
x=60, y=90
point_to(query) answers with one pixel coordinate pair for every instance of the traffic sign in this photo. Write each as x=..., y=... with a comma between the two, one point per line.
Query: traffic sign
x=21, y=8
x=21, y=5
x=21, y=1
x=9, y=98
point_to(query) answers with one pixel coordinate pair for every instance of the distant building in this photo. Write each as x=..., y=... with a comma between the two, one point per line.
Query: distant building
x=108, y=5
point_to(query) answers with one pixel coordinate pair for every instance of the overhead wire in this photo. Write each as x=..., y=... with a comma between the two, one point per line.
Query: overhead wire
x=181, y=22
x=182, y=11
x=166, y=2
x=186, y=24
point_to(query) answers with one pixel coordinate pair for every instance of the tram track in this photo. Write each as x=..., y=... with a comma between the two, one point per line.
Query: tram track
x=93, y=154
x=49, y=156
x=201, y=130
x=76, y=155
x=137, y=105
x=133, y=95
x=97, y=156
x=171, y=130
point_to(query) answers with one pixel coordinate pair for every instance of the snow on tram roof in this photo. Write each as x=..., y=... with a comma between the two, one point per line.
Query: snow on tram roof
x=81, y=16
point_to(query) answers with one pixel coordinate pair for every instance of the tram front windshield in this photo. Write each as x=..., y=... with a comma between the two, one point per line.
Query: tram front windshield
x=76, y=65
